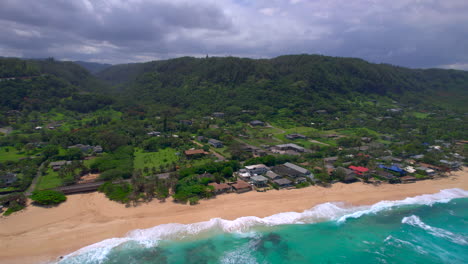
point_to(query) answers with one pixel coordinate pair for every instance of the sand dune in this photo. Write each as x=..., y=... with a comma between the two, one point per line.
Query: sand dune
x=41, y=234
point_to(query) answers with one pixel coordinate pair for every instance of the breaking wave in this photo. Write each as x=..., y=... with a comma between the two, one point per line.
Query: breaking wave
x=338, y=212
x=435, y=231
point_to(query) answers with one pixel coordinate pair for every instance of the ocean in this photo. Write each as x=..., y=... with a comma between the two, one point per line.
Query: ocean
x=422, y=229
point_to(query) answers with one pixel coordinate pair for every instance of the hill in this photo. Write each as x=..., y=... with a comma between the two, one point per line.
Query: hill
x=295, y=82
x=93, y=67
x=45, y=84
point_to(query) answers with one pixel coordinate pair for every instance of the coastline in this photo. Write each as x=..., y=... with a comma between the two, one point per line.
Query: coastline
x=38, y=234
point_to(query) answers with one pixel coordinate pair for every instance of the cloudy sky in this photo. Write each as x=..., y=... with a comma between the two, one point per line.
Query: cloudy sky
x=413, y=33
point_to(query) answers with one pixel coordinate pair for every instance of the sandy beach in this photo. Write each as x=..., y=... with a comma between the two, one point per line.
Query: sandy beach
x=38, y=235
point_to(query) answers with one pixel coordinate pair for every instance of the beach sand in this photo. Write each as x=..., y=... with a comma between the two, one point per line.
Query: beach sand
x=38, y=235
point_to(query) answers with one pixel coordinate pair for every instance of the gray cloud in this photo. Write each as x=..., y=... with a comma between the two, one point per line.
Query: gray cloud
x=402, y=32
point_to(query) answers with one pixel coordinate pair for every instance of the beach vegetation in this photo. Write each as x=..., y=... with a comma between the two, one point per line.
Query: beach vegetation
x=119, y=192
x=48, y=197
x=14, y=201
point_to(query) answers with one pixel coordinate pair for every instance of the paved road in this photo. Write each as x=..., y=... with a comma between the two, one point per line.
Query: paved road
x=34, y=181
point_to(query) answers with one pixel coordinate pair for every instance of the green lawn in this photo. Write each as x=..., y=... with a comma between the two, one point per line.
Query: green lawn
x=420, y=115
x=12, y=154
x=163, y=157
x=49, y=180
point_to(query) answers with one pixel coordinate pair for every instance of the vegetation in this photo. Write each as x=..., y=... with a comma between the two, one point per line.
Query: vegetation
x=116, y=191
x=48, y=197
x=15, y=202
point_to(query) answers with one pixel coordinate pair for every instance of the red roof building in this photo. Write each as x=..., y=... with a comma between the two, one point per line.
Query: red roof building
x=358, y=169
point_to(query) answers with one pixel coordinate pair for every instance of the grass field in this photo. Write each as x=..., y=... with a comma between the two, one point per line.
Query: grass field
x=49, y=180
x=163, y=157
x=12, y=154
x=420, y=115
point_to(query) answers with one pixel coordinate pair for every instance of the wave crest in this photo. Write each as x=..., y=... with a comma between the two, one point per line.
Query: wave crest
x=415, y=221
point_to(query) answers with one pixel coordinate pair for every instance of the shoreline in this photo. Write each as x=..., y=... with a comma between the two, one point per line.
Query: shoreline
x=38, y=235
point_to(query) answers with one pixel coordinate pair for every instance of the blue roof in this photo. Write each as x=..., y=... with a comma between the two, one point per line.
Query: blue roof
x=392, y=168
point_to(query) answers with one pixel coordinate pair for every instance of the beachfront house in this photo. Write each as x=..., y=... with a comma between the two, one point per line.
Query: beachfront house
x=259, y=180
x=271, y=175
x=292, y=171
x=8, y=178
x=220, y=188
x=257, y=169
x=283, y=183
x=215, y=143
x=345, y=175
x=393, y=168
x=241, y=186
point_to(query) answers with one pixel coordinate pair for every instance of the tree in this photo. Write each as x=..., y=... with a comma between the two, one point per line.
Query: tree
x=50, y=151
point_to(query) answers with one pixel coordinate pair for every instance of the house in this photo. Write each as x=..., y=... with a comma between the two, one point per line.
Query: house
x=154, y=133
x=218, y=114
x=163, y=176
x=384, y=174
x=272, y=175
x=241, y=186
x=244, y=174
x=407, y=179
x=454, y=165
x=201, y=138
x=186, y=122
x=206, y=175
x=97, y=149
x=257, y=169
x=425, y=170
x=410, y=169
x=257, y=123
x=291, y=170
x=366, y=139
x=330, y=160
x=220, y=188
x=359, y=170
x=349, y=176
x=287, y=147
x=191, y=153
x=393, y=168
x=321, y=111
x=8, y=178
x=57, y=165
x=215, y=143
x=259, y=180
x=430, y=166
x=87, y=148
x=283, y=183
x=295, y=136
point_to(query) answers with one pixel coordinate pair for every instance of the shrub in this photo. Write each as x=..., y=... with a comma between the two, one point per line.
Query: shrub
x=116, y=191
x=48, y=197
x=302, y=185
x=12, y=209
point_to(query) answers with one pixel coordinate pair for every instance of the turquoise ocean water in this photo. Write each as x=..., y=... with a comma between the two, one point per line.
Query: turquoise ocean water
x=423, y=229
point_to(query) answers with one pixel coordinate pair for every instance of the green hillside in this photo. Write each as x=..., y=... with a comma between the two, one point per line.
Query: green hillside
x=296, y=82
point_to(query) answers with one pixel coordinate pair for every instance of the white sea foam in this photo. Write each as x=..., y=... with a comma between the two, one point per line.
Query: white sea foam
x=435, y=231
x=323, y=212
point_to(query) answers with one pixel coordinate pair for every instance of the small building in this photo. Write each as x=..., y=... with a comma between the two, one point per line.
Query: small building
x=283, y=183
x=295, y=136
x=193, y=153
x=287, y=147
x=154, y=133
x=8, y=178
x=257, y=123
x=257, y=169
x=330, y=160
x=349, y=175
x=359, y=170
x=218, y=114
x=57, y=165
x=321, y=111
x=410, y=169
x=220, y=188
x=393, y=168
x=259, y=180
x=408, y=179
x=215, y=143
x=292, y=171
x=241, y=186
x=186, y=122
x=201, y=138
x=244, y=174
x=271, y=175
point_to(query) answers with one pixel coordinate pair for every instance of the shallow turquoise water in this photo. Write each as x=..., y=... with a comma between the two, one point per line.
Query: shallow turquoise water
x=403, y=233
